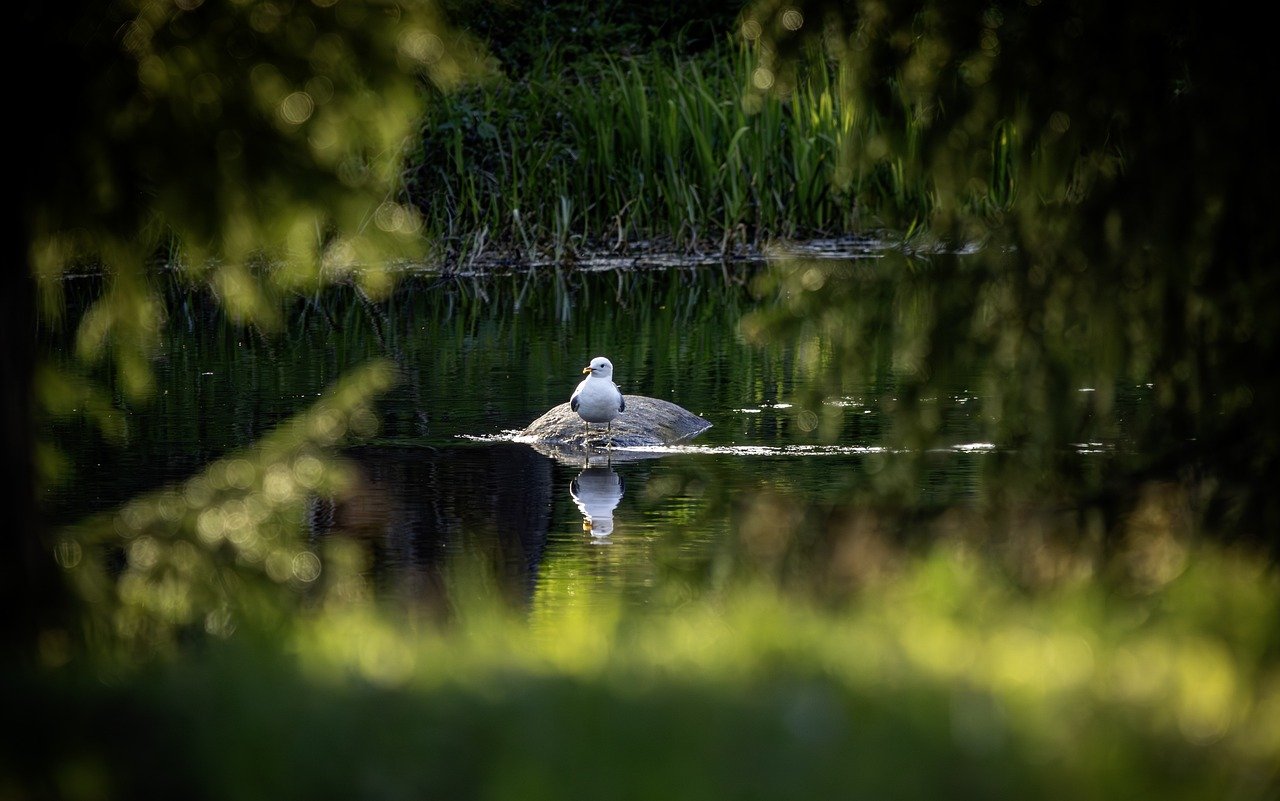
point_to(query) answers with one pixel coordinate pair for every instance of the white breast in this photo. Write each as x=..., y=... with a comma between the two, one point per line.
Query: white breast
x=598, y=400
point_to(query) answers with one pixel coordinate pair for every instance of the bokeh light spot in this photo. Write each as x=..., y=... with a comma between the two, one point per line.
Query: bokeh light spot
x=327, y=425
x=153, y=74
x=67, y=553
x=197, y=492
x=278, y=484
x=308, y=470
x=144, y=553
x=422, y=46
x=306, y=566
x=320, y=88
x=240, y=473
x=206, y=88
x=390, y=217
x=211, y=526
x=171, y=507
x=131, y=518
x=278, y=566
x=137, y=37
x=219, y=623
x=297, y=108
x=364, y=422
x=265, y=17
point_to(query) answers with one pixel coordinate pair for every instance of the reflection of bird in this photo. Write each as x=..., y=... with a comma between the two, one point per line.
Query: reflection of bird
x=596, y=491
x=597, y=400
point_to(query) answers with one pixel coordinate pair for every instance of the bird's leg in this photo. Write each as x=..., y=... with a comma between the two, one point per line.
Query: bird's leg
x=609, y=432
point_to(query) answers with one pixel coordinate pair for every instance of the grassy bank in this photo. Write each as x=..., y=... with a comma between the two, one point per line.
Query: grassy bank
x=616, y=153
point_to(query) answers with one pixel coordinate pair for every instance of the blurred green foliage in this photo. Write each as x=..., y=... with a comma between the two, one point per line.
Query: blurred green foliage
x=942, y=680
x=254, y=145
x=1132, y=241
x=224, y=549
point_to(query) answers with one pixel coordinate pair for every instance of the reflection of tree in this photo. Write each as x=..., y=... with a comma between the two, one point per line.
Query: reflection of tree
x=260, y=147
x=1108, y=161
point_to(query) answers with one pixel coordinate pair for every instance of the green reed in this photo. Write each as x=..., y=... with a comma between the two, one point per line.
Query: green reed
x=662, y=147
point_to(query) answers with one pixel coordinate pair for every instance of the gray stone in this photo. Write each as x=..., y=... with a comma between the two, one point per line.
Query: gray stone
x=647, y=421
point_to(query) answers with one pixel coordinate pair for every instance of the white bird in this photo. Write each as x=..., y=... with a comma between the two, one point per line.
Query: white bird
x=597, y=399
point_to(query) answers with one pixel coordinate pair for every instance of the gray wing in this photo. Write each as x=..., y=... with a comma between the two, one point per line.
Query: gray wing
x=622, y=402
x=573, y=401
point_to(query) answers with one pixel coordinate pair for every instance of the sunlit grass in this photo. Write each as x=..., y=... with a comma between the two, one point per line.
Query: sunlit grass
x=942, y=679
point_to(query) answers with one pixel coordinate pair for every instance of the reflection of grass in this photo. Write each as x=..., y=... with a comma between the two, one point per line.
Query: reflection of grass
x=941, y=682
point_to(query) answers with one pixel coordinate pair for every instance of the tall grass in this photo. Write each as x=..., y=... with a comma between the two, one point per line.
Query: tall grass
x=620, y=152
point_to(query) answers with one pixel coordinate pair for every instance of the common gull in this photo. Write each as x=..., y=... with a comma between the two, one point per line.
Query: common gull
x=597, y=399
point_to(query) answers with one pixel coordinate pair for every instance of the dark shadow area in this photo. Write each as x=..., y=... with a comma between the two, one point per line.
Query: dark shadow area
x=418, y=509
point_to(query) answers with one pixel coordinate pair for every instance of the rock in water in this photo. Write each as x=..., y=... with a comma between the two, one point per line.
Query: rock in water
x=647, y=421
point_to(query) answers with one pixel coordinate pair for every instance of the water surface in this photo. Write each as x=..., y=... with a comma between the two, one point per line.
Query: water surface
x=479, y=358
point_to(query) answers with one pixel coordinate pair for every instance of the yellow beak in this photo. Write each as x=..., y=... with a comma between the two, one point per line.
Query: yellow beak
x=586, y=370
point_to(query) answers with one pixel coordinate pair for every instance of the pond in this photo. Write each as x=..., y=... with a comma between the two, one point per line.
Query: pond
x=480, y=357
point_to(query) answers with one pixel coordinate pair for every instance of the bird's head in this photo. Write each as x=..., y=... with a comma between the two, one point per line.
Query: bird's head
x=600, y=367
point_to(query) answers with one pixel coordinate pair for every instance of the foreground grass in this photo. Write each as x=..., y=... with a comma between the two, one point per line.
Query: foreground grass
x=941, y=682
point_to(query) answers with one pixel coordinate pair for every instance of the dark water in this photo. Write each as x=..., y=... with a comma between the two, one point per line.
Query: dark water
x=481, y=358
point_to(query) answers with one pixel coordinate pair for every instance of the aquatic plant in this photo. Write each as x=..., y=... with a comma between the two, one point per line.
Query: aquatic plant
x=618, y=152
